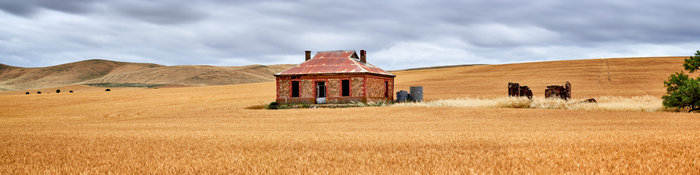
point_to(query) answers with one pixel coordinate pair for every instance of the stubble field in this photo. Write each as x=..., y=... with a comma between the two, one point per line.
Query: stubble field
x=209, y=130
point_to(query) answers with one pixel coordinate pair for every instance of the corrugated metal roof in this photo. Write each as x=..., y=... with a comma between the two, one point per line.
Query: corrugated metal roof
x=331, y=62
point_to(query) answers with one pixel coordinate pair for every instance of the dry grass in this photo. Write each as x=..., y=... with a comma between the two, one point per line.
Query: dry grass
x=207, y=130
x=639, y=103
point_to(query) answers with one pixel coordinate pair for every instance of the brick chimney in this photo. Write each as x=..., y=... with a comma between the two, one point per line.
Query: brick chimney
x=363, y=56
x=308, y=55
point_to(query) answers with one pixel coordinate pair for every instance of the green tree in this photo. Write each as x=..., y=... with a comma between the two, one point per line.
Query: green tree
x=681, y=90
x=693, y=62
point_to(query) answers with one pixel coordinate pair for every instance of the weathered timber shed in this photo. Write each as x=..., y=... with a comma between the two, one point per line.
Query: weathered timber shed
x=334, y=77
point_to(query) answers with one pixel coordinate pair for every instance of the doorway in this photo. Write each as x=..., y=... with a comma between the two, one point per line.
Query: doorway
x=386, y=89
x=320, y=92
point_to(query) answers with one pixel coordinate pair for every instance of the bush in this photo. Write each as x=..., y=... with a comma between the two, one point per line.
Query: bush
x=681, y=90
x=273, y=105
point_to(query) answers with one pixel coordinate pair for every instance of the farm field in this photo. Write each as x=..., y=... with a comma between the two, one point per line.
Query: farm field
x=214, y=129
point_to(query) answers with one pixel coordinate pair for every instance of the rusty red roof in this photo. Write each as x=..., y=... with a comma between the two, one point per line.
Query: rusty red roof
x=332, y=62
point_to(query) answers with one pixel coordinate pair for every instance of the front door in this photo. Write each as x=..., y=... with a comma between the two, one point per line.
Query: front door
x=320, y=92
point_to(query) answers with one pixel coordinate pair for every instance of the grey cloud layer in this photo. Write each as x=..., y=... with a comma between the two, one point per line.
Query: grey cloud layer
x=397, y=34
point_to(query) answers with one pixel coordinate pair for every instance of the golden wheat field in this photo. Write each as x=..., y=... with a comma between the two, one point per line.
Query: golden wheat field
x=215, y=130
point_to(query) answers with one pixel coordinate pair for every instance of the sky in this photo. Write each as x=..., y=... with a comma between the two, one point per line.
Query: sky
x=396, y=34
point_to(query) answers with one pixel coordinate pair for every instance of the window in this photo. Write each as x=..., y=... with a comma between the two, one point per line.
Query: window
x=295, y=88
x=346, y=88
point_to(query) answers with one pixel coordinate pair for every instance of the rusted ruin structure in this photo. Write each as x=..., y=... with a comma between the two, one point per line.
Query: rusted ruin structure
x=334, y=77
x=515, y=90
x=558, y=91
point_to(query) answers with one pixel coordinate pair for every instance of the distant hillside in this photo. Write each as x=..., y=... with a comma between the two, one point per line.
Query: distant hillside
x=438, y=67
x=104, y=72
x=589, y=78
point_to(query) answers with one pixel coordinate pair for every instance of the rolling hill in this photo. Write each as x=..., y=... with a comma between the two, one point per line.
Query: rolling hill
x=625, y=77
x=589, y=77
x=104, y=72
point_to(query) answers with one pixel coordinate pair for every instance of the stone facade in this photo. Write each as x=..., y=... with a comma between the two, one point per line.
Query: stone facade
x=333, y=86
x=376, y=87
x=363, y=88
x=284, y=87
x=307, y=88
x=357, y=86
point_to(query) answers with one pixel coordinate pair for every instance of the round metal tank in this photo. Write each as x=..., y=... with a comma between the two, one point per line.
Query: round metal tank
x=416, y=93
x=402, y=96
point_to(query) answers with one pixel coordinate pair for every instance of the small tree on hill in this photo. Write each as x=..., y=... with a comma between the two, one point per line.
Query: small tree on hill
x=681, y=90
x=692, y=63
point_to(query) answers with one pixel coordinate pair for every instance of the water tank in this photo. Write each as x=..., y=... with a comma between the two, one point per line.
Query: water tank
x=402, y=96
x=416, y=93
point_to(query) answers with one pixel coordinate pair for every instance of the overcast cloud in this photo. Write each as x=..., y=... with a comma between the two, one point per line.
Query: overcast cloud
x=396, y=34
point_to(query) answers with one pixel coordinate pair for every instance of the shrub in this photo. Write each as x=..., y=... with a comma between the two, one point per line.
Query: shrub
x=273, y=105
x=681, y=90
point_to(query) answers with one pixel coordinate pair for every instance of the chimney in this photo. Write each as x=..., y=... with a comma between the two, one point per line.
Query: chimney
x=308, y=55
x=363, y=56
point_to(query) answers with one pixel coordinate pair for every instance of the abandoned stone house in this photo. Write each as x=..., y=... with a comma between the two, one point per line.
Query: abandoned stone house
x=334, y=77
